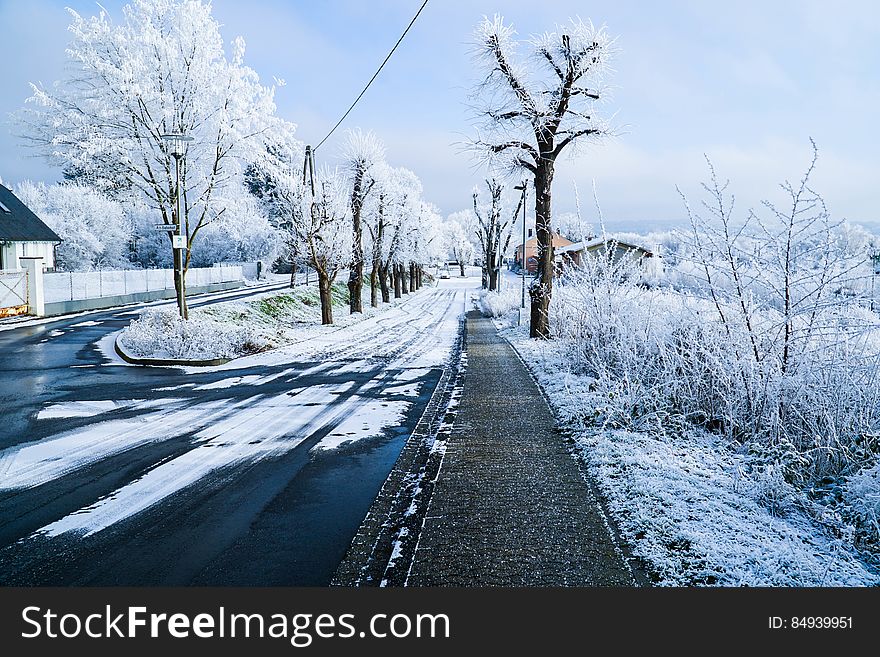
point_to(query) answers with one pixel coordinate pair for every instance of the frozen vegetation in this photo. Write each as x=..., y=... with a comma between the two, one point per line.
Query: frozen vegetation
x=236, y=328
x=730, y=412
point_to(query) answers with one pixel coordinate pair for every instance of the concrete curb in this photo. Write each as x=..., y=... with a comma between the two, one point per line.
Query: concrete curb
x=161, y=362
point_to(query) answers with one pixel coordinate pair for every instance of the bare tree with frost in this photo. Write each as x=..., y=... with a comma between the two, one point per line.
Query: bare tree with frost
x=456, y=232
x=535, y=111
x=322, y=232
x=492, y=229
x=363, y=155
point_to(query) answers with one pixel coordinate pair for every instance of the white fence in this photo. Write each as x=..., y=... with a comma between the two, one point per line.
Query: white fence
x=75, y=286
x=13, y=291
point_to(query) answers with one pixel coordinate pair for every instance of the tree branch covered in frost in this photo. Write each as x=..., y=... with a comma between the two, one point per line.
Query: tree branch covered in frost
x=521, y=108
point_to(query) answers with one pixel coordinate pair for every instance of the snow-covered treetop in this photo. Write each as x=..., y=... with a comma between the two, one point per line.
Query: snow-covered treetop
x=536, y=106
x=363, y=150
x=161, y=70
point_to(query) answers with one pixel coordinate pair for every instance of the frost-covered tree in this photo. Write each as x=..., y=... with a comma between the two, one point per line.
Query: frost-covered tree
x=423, y=242
x=323, y=233
x=379, y=221
x=95, y=230
x=396, y=214
x=493, y=231
x=456, y=234
x=243, y=232
x=363, y=154
x=534, y=112
x=160, y=70
x=275, y=180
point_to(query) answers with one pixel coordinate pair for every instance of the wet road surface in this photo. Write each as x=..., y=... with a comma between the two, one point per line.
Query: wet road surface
x=253, y=473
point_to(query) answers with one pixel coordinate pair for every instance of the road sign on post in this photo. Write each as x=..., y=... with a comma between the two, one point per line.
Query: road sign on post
x=168, y=227
x=178, y=241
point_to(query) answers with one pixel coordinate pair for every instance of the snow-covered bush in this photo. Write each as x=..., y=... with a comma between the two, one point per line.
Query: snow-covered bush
x=761, y=348
x=498, y=304
x=862, y=498
x=163, y=334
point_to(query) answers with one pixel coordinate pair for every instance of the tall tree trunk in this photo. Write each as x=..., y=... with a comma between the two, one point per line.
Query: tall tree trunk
x=419, y=272
x=383, y=283
x=356, y=272
x=397, y=285
x=493, y=279
x=461, y=267
x=542, y=287
x=326, y=298
x=412, y=276
x=404, y=282
x=374, y=284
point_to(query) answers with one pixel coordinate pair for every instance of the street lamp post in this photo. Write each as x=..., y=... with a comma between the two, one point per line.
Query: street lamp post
x=177, y=146
x=874, y=256
x=522, y=260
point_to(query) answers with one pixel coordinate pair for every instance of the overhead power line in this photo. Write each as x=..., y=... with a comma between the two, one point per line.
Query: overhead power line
x=375, y=75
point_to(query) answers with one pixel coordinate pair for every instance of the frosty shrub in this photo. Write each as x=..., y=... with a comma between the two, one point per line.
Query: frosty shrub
x=498, y=304
x=862, y=497
x=163, y=334
x=765, y=345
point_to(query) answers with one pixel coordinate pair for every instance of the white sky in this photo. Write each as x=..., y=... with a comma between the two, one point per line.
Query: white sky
x=745, y=82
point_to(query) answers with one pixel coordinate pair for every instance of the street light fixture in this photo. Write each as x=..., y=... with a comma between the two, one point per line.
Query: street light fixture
x=177, y=147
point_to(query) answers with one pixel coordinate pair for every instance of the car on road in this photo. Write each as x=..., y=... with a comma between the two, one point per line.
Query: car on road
x=444, y=273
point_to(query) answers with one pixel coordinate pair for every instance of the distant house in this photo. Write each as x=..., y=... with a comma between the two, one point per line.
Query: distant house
x=615, y=250
x=23, y=234
x=531, y=251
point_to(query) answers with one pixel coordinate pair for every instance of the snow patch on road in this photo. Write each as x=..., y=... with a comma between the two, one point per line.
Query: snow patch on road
x=83, y=408
x=228, y=383
x=370, y=421
x=406, y=341
x=256, y=428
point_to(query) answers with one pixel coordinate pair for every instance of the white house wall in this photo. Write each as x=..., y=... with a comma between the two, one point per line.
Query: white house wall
x=12, y=251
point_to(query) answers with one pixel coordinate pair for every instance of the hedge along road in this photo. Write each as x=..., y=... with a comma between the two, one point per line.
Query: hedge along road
x=257, y=472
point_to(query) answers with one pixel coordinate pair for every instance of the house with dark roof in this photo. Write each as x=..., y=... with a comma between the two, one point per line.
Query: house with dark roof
x=23, y=234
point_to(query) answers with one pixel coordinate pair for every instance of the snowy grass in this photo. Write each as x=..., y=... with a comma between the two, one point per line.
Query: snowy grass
x=687, y=502
x=241, y=327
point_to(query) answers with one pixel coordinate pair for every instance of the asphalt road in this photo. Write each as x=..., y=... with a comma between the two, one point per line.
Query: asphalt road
x=254, y=473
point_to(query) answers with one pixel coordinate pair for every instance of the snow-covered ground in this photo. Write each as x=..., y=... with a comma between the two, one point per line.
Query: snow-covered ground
x=255, y=408
x=243, y=326
x=680, y=501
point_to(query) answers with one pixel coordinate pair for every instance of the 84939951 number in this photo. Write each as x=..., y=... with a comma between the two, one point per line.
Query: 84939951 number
x=811, y=623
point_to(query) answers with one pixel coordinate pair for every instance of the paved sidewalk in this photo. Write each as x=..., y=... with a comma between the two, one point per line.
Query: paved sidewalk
x=510, y=507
